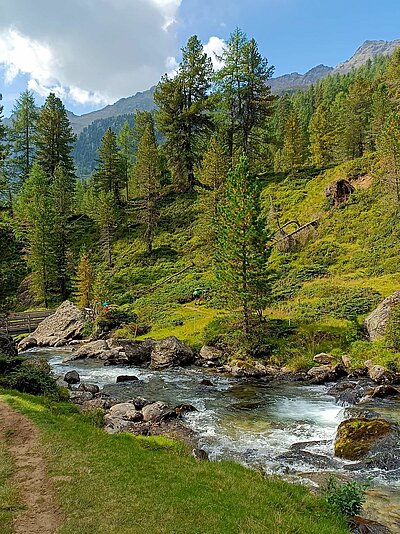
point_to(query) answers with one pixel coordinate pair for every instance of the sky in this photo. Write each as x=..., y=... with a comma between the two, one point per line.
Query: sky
x=93, y=52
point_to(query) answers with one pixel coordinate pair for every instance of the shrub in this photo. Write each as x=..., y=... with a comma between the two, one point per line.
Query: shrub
x=347, y=498
x=10, y=363
x=393, y=330
x=32, y=377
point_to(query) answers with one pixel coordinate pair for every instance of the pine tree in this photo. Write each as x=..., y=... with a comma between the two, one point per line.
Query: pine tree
x=389, y=150
x=23, y=132
x=147, y=175
x=393, y=78
x=292, y=155
x=356, y=119
x=54, y=138
x=105, y=215
x=241, y=251
x=84, y=281
x=126, y=144
x=108, y=176
x=62, y=191
x=36, y=215
x=245, y=100
x=184, y=113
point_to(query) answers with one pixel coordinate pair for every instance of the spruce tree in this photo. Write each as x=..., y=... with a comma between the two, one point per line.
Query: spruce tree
x=322, y=137
x=23, y=132
x=292, y=155
x=147, y=175
x=389, y=150
x=54, y=138
x=184, y=113
x=241, y=252
x=105, y=215
x=109, y=175
x=126, y=144
x=393, y=78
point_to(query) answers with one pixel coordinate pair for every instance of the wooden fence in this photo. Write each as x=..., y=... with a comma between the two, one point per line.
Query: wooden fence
x=23, y=323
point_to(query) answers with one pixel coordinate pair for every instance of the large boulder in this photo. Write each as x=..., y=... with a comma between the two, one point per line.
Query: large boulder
x=170, y=352
x=356, y=437
x=324, y=359
x=136, y=352
x=115, y=351
x=379, y=374
x=326, y=373
x=157, y=411
x=376, y=323
x=210, y=354
x=127, y=411
x=65, y=324
x=7, y=345
x=72, y=377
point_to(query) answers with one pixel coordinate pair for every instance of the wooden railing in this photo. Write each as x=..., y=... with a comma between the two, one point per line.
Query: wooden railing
x=23, y=323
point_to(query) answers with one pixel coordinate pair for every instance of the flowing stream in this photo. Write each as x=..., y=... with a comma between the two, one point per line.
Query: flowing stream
x=286, y=429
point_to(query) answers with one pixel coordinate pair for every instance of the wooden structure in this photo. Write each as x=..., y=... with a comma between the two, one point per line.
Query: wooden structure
x=23, y=323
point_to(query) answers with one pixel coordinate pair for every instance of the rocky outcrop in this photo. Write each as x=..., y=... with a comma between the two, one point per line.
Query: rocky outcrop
x=170, y=352
x=65, y=324
x=356, y=437
x=376, y=323
x=7, y=345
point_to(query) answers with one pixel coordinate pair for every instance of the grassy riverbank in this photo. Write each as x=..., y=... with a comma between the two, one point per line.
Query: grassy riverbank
x=124, y=484
x=9, y=503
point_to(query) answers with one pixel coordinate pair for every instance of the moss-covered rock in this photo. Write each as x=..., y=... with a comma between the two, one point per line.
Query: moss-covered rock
x=356, y=437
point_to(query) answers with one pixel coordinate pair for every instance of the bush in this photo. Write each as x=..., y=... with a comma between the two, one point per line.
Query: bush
x=10, y=363
x=347, y=498
x=393, y=330
x=32, y=377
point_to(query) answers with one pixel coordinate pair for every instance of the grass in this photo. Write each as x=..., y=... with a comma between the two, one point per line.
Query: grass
x=127, y=485
x=9, y=503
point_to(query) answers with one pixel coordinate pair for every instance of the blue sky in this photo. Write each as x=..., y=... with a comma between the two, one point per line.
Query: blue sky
x=114, y=48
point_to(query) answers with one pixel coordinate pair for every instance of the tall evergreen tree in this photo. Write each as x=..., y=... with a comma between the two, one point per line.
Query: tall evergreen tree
x=322, y=137
x=126, y=144
x=241, y=251
x=245, y=100
x=105, y=214
x=393, y=78
x=35, y=213
x=54, y=138
x=389, y=150
x=147, y=174
x=23, y=131
x=84, y=281
x=184, y=112
x=292, y=155
x=109, y=176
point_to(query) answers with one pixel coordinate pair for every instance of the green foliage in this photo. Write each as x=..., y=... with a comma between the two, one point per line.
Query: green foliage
x=29, y=377
x=392, y=333
x=347, y=498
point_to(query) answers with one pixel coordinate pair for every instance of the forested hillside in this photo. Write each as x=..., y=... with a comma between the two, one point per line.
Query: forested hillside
x=281, y=211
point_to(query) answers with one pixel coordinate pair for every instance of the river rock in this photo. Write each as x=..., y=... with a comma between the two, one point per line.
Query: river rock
x=65, y=324
x=79, y=397
x=95, y=404
x=126, y=378
x=326, y=373
x=7, y=345
x=91, y=388
x=72, y=377
x=210, y=354
x=360, y=525
x=379, y=374
x=157, y=411
x=377, y=321
x=385, y=390
x=170, y=352
x=181, y=409
x=356, y=437
x=350, y=392
x=126, y=410
x=324, y=359
x=206, y=382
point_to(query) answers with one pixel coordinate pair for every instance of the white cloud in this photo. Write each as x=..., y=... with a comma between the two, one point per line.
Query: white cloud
x=86, y=51
x=214, y=49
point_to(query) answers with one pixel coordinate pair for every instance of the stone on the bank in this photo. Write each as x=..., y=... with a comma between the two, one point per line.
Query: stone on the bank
x=360, y=525
x=379, y=374
x=385, y=390
x=320, y=374
x=170, y=352
x=377, y=321
x=324, y=359
x=156, y=411
x=95, y=404
x=127, y=411
x=209, y=353
x=72, y=377
x=356, y=437
x=7, y=345
x=79, y=397
x=65, y=324
x=91, y=388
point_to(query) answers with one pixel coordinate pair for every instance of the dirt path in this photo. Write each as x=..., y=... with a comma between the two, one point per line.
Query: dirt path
x=40, y=514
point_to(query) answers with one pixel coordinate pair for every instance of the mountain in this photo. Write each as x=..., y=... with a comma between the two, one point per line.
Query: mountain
x=368, y=50
x=297, y=81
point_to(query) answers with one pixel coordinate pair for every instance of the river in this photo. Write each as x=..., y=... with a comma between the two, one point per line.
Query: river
x=286, y=429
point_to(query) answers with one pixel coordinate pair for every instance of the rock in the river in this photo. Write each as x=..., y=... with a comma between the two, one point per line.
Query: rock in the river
x=211, y=354
x=206, y=382
x=7, y=345
x=157, y=411
x=377, y=321
x=72, y=377
x=170, y=352
x=115, y=351
x=184, y=408
x=385, y=390
x=351, y=391
x=91, y=388
x=356, y=437
x=65, y=324
x=324, y=359
x=379, y=374
x=126, y=378
x=326, y=373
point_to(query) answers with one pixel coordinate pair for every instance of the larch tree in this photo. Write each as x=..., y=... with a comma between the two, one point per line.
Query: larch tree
x=184, y=114
x=322, y=137
x=109, y=175
x=147, y=174
x=389, y=150
x=241, y=250
x=126, y=145
x=393, y=78
x=54, y=138
x=84, y=281
x=292, y=155
x=105, y=214
x=23, y=132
